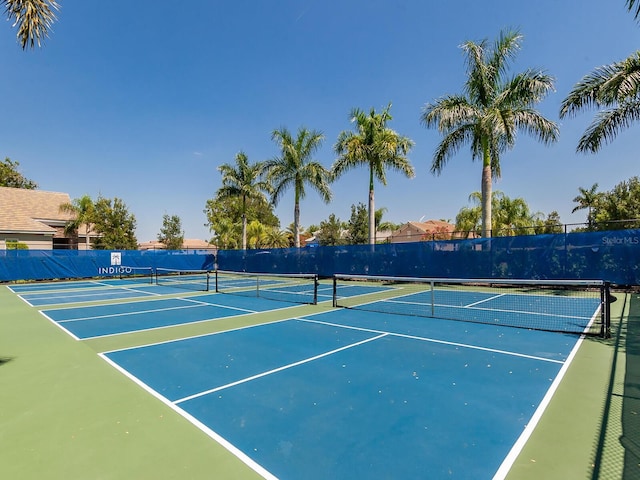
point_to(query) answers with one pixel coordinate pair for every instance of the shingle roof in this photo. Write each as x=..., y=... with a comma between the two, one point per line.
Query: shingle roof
x=23, y=210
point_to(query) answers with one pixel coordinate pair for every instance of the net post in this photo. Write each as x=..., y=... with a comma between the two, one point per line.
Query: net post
x=257, y=285
x=606, y=321
x=208, y=276
x=335, y=292
x=433, y=299
x=216, y=272
x=315, y=289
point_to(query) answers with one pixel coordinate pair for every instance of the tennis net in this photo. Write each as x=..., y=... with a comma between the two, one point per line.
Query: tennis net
x=580, y=306
x=136, y=274
x=286, y=287
x=187, y=279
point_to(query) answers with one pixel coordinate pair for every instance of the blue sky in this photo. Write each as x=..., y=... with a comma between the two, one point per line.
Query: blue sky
x=143, y=100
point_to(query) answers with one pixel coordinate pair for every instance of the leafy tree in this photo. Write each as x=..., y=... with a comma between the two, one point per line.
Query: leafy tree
x=376, y=146
x=331, y=231
x=295, y=168
x=619, y=208
x=242, y=181
x=224, y=218
x=83, y=210
x=171, y=233
x=587, y=199
x=492, y=109
x=358, y=225
x=551, y=224
x=33, y=19
x=16, y=245
x=468, y=220
x=227, y=234
x=10, y=176
x=115, y=225
x=614, y=91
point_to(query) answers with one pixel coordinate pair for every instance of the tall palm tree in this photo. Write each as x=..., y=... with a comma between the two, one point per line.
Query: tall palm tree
x=490, y=112
x=587, y=199
x=376, y=146
x=83, y=210
x=33, y=19
x=242, y=180
x=295, y=168
x=614, y=90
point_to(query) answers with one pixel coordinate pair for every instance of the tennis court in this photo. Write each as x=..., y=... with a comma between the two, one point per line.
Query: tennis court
x=386, y=387
x=358, y=393
x=445, y=401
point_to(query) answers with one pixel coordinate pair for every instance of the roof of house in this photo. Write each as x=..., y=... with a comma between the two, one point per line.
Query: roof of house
x=431, y=226
x=187, y=243
x=31, y=211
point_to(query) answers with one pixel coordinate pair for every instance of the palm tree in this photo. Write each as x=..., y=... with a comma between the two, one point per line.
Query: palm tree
x=374, y=145
x=276, y=238
x=492, y=109
x=513, y=216
x=631, y=4
x=242, y=181
x=587, y=199
x=614, y=89
x=256, y=234
x=33, y=19
x=295, y=168
x=83, y=210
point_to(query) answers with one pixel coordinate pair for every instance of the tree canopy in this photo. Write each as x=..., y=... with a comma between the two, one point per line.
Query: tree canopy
x=171, y=233
x=10, y=176
x=115, y=225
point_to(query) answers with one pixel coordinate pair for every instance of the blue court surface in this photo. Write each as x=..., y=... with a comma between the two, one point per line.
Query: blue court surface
x=117, y=318
x=350, y=394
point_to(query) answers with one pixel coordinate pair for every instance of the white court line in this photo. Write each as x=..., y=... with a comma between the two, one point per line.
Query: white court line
x=521, y=312
x=510, y=459
x=90, y=294
x=276, y=370
x=256, y=467
x=126, y=314
x=434, y=340
x=485, y=300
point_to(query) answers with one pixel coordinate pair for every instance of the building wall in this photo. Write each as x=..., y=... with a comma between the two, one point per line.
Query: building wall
x=34, y=242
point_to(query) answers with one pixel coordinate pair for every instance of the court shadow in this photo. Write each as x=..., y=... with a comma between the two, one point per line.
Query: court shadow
x=621, y=413
x=4, y=360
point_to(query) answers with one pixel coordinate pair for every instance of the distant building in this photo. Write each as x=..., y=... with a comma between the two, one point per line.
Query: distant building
x=187, y=244
x=33, y=218
x=424, y=231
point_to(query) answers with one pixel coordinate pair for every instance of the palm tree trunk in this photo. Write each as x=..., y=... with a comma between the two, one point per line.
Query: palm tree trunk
x=372, y=211
x=296, y=225
x=486, y=194
x=244, y=231
x=244, y=222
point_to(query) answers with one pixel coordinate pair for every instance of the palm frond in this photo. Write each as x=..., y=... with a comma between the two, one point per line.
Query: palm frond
x=33, y=18
x=607, y=124
x=631, y=4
